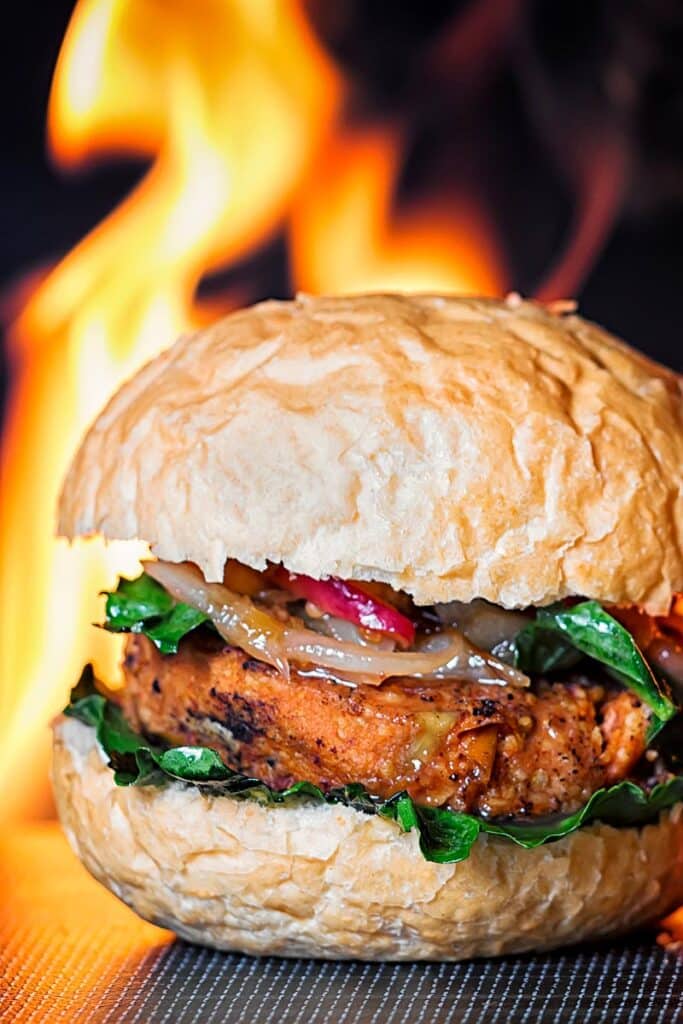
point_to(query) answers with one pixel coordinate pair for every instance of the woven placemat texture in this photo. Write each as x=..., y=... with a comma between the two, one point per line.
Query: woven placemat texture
x=69, y=952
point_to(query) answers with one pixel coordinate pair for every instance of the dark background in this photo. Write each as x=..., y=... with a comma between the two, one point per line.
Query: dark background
x=528, y=100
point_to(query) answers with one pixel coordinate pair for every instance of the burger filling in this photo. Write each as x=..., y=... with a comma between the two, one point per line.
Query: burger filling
x=453, y=719
x=470, y=746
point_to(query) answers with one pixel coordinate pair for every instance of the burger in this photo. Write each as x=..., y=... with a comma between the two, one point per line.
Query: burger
x=403, y=668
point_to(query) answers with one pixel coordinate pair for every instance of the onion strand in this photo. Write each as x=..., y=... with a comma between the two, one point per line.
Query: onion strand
x=447, y=655
x=236, y=618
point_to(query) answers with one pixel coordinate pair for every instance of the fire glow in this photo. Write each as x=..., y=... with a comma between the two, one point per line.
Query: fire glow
x=241, y=113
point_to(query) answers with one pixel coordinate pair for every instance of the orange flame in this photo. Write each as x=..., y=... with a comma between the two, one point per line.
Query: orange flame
x=239, y=111
x=672, y=935
x=346, y=237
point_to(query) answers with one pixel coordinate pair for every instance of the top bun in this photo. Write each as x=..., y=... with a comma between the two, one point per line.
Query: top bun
x=452, y=447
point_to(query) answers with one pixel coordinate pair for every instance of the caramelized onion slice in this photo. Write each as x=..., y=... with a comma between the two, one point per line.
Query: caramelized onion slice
x=485, y=625
x=475, y=665
x=342, y=629
x=444, y=656
x=453, y=659
x=237, y=618
x=305, y=645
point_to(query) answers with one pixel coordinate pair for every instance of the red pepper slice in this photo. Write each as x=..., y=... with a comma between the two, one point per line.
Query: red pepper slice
x=347, y=601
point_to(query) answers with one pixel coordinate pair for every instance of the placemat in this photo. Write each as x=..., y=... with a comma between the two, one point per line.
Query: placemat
x=69, y=951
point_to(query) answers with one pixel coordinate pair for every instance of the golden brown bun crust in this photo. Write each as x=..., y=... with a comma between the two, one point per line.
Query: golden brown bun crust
x=452, y=447
x=332, y=882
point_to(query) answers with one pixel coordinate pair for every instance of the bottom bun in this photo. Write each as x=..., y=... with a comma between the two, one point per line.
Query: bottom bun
x=329, y=881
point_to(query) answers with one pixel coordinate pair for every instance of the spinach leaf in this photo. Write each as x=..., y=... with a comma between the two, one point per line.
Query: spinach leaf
x=560, y=632
x=143, y=606
x=445, y=836
x=169, y=631
x=135, y=601
x=625, y=803
x=538, y=651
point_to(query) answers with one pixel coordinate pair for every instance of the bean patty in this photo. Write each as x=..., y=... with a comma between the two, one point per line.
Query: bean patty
x=485, y=748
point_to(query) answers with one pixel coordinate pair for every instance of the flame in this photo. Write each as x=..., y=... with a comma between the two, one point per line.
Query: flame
x=671, y=936
x=346, y=236
x=240, y=112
